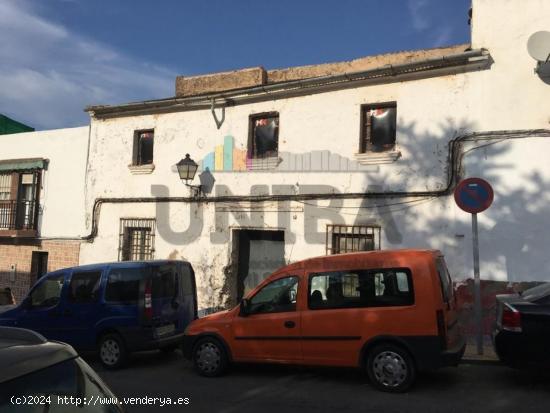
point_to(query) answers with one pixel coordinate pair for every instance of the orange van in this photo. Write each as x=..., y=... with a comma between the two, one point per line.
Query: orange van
x=391, y=313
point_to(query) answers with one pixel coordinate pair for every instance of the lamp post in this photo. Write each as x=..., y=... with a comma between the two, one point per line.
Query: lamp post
x=187, y=168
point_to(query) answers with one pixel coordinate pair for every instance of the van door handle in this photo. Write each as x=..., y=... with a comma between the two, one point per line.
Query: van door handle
x=290, y=324
x=67, y=312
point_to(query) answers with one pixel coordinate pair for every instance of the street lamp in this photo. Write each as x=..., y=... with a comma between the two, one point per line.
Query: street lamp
x=187, y=168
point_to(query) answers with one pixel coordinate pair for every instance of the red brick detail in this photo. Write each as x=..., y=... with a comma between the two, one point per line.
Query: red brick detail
x=61, y=254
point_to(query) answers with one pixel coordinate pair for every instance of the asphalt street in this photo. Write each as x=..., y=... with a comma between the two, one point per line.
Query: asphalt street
x=262, y=388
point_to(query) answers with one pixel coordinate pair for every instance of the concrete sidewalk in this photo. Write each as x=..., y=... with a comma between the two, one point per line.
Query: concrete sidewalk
x=488, y=357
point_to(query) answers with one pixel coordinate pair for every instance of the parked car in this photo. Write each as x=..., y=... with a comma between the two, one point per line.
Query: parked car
x=522, y=334
x=113, y=308
x=7, y=301
x=37, y=375
x=388, y=312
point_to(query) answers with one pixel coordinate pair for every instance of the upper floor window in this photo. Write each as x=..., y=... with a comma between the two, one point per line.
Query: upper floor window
x=143, y=147
x=263, y=139
x=378, y=127
x=352, y=238
x=5, y=186
x=19, y=193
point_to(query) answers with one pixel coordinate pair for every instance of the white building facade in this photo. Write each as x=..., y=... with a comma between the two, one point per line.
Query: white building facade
x=304, y=162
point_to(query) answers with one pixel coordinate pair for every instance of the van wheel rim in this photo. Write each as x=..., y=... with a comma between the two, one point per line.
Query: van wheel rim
x=208, y=357
x=390, y=369
x=110, y=352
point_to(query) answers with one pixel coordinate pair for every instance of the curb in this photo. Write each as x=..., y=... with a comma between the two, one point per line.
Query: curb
x=481, y=362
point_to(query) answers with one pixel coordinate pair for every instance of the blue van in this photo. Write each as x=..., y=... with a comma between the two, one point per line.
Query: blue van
x=113, y=308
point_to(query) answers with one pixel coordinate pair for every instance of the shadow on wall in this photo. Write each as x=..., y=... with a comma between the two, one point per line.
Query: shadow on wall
x=513, y=231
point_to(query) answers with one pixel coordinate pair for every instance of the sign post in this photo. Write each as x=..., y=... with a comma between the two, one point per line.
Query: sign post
x=475, y=195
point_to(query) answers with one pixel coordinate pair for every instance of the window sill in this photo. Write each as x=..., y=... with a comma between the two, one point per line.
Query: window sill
x=372, y=158
x=141, y=169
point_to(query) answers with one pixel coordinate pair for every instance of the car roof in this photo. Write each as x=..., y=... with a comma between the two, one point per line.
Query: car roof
x=24, y=351
x=115, y=264
x=377, y=254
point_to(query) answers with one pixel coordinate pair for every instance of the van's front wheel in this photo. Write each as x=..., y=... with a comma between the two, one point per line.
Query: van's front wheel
x=391, y=368
x=112, y=351
x=209, y=357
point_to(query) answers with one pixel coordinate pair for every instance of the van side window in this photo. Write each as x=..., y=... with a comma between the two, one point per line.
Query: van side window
x=164, y=281
x=278, y=296
x=123, y=285
x=84, y=287
x=185, y=279
x=361, y=288
x=48, y=292
x=445, y=280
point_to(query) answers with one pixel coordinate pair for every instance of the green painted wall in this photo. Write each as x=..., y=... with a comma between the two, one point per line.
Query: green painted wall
x=8, y=125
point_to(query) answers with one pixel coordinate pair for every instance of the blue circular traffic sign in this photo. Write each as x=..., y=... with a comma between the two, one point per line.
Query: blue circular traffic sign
x=474, y=195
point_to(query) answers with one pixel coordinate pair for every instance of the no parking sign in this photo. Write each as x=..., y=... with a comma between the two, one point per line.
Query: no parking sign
x=475, y=195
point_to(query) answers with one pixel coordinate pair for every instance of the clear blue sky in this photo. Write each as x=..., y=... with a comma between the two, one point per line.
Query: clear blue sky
x=57, y=56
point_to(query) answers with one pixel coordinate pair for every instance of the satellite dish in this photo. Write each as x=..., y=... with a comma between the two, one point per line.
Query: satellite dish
x=538, y=46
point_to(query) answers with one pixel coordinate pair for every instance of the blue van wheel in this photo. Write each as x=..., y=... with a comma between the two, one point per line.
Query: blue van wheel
x=112, y=351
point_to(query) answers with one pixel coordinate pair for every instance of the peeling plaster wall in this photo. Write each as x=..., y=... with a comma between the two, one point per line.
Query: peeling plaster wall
x=430, y=112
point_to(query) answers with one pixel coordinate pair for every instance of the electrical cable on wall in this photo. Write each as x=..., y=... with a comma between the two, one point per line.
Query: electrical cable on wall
x=454, y=159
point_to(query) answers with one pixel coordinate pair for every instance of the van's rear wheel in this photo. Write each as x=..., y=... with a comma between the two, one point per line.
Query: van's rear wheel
x=209, y=357
x=112, y=351
x=391, y=368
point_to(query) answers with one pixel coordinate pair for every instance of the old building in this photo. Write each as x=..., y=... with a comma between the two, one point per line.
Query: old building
x=322, y=159
x=41, y=204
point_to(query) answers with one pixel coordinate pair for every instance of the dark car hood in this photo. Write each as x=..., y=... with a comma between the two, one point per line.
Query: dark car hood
x=4, y=308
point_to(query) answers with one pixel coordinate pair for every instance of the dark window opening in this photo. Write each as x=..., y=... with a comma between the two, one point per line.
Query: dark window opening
x=84, y=287
x=123, y=285
x=352, y=238
x=264, y=135
x=136, y=239
x=143, y=147
x=378, y=127
x=361, y=288
x=165, y=284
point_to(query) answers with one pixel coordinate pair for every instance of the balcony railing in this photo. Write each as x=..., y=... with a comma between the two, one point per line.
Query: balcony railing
x=18, y=215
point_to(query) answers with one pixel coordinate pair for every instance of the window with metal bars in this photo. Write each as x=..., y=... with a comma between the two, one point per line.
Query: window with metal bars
x=352, y=238
x=136, y=239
